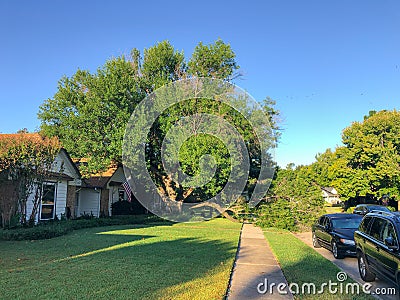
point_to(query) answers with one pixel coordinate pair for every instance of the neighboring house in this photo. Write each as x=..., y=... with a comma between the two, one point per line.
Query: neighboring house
x=330, y=195
x=60, y=189
x=101, y=190
x=65, y=193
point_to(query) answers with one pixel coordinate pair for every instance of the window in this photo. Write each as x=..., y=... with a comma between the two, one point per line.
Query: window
x=364, y=226
x=389, y=231
x=121, y=195
x=346, y=223
x=47, y=208
x=321, y=221
x=377, y=228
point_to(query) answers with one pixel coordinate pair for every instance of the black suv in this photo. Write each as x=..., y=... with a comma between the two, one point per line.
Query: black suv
x=377, y=246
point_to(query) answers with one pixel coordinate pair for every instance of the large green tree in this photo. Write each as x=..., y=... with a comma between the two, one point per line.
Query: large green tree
x=89, y=113
x=369, y=162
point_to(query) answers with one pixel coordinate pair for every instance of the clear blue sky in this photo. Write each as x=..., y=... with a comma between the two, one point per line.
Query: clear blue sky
x=326, y=63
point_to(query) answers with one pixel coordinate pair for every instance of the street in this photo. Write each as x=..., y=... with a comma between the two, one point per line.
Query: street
x=350, y=266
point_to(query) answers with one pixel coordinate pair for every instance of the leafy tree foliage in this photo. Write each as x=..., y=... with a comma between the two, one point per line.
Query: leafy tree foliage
x=216, y=60
x=25, y=161
x=371, y=156
x=295, y=200
x=89, y=112
x=368, y=163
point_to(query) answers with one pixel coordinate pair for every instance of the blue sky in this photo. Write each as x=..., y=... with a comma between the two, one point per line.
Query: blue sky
x=326, y=63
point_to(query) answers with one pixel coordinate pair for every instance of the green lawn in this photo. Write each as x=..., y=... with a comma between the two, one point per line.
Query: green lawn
x=333, y=209
x=302, y=264
x=180, y=261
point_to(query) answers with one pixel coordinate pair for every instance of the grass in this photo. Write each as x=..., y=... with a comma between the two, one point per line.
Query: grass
x=333, y=209
x=179, y=261
x=302, y=264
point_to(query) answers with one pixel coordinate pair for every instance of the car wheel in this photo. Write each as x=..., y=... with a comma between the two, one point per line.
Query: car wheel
x=335, y=251
x=315, y=242
x=363, y=268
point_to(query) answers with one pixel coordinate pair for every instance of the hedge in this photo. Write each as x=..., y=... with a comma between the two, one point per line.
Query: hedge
x=52, y=229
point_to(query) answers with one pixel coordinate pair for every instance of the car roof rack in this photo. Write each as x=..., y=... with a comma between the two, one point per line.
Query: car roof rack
x=394, y=214
x=380, y=212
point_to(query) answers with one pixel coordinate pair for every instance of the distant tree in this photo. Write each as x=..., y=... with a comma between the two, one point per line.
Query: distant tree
x=369, y=162
x=25, y=161
x=320, y=171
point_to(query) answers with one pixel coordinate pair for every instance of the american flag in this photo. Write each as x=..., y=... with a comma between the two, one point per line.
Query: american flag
x=128, y=190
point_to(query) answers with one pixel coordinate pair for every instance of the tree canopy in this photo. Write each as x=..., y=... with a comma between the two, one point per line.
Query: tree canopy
x=368, y=163
x=294, y=200
x=90, y=111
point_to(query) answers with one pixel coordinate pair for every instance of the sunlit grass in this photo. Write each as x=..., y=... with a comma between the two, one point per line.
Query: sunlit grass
x=302, y=264
x=180, y=261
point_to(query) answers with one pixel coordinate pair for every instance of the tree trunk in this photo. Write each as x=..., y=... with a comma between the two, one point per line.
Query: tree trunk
x=218, y=208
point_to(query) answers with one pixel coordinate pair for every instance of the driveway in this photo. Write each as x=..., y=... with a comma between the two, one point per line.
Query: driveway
x=348, y=265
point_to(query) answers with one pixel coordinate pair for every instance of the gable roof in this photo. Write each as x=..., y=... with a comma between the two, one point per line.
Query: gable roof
x=331, y=191
x=71, y=162
x=100, y=179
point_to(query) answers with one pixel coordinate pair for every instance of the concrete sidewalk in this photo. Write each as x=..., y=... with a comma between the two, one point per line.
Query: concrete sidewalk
x=256, y=269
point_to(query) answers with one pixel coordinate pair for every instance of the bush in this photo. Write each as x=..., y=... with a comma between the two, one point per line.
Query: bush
x=276, y=214
x=39, y=232
x=280, y=213
x=52, y=229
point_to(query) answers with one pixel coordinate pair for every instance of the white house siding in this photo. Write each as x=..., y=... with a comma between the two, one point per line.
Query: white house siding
x=61, y=201
x=89, y=202
x=29, y=205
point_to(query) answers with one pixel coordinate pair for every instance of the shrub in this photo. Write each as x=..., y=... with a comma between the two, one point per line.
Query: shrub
x=276, y=214
x=39, y=232
x=127, y=208
x=52, y=229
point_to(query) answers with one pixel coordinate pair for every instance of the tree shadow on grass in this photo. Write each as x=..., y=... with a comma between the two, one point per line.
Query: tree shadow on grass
x=308, y=278
x=127, y=267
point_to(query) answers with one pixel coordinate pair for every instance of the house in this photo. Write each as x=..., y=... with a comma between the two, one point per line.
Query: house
x=100, y=191
x=330, y=195
x=66, y=194
x=59, y=191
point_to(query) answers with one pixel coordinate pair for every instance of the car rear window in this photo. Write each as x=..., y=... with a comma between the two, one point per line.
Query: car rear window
x=346, y=223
